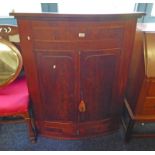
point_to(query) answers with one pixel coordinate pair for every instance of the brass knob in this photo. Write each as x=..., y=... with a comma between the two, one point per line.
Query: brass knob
x=82, y=106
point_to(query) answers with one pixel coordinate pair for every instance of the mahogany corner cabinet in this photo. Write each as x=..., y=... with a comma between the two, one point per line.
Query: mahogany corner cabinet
x=76, y=67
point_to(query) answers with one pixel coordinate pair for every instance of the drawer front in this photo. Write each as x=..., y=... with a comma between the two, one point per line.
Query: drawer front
x=58, y=129
x=76, y=31
x=149, y=106
x=151, y=90
x=98, y=127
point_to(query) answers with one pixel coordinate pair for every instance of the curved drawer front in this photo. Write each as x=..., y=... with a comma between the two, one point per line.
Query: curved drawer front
x=76, y=31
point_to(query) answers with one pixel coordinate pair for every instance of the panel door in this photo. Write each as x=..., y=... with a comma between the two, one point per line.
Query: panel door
x=57, y=82
x=98, y=84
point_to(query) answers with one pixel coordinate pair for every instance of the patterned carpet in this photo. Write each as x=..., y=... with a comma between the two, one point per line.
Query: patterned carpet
x=15, y=137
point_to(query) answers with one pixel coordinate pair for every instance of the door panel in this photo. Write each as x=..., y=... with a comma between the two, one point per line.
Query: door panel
x=98, y=83
x=57, y=82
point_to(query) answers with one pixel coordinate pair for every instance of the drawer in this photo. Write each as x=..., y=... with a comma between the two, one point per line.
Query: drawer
x=59, y=129
x=98, y=127
x=149, y=106
x=71, y=32
x=151, y=89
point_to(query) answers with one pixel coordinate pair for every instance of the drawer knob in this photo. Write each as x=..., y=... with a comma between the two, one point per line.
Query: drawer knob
x=81, y=35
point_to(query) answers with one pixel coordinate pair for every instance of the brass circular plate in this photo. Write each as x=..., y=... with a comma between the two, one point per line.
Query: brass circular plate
x=10, y=62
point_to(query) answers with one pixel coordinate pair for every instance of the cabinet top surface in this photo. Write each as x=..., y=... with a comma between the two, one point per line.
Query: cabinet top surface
x=78, y=16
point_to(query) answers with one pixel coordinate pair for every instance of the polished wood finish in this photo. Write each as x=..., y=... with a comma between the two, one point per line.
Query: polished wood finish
x=140, y=93
x=77, y=67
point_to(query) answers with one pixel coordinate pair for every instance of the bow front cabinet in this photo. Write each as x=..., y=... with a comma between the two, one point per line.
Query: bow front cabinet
x=76, y=66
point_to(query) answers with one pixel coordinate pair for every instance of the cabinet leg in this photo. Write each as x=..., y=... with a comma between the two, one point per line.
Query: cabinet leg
x=32, y=131
x=129, y=130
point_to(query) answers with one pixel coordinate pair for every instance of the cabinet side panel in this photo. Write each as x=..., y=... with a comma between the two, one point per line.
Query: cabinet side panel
x=26, y=43
x=136, y=72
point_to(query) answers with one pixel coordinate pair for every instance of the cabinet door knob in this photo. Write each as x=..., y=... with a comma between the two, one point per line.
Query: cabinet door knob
x=54, y=66
x=82, y=106
x=28, y=37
